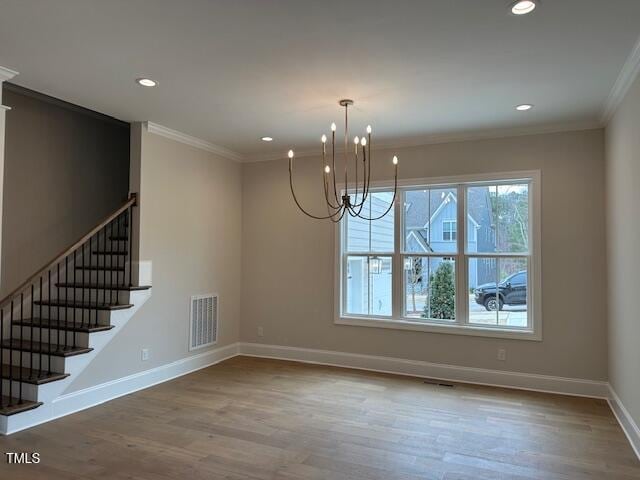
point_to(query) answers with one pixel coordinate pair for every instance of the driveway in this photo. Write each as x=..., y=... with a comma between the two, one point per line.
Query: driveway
x=512, y=316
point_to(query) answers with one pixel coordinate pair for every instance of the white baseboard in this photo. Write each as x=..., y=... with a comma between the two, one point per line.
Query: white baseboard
x=629, y=426
x=417, y=368
x=92, y=396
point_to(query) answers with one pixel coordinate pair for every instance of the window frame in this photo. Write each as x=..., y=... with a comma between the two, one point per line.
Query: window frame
x=461, y=326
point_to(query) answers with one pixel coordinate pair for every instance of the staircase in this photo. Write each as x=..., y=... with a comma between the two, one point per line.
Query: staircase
x=53, y=325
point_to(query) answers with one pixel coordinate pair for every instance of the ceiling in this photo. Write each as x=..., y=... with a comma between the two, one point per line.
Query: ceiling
x=232, y=71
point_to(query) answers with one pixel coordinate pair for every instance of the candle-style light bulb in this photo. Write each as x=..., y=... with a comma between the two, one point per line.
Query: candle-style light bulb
x=324, y=139
x=369, y=129
x=395, y=160
x=327, y=169
x=363, y=141
x=333, y=127
x=290, y=154
x=356, y=140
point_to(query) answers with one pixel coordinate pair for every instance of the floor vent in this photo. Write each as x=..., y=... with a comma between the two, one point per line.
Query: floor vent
x=438, y=383
x=203, y=327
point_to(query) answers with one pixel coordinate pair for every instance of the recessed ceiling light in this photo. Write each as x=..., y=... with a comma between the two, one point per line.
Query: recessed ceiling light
x=146, y=82
x=267, y=139
x=524, y=107
x=522, y=7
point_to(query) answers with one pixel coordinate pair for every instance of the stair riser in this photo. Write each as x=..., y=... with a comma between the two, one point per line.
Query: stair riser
x=98, y=276
x=90, y=294
x=55, y=313
x=57, y=363
x=29, y=390
x=24, y=333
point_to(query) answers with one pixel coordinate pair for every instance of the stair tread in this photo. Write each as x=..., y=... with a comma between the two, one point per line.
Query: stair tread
x=37, y=347
x=16, y=407
x=94, y=286
x=62, y=325
x=34, y=377
x=100, y=267
x=85, y=305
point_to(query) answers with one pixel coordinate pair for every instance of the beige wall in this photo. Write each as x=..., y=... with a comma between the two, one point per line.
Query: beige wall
x=190, y=229
x=288, y=259
x=623, y=248
x=65, y=169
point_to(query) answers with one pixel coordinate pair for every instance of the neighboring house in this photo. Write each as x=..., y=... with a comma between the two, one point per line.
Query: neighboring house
x=430, y=226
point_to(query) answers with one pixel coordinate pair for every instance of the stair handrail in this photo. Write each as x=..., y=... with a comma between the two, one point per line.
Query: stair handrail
x=131, y=202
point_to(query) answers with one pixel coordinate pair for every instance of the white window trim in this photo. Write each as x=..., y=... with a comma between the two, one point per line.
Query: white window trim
x=396, y=322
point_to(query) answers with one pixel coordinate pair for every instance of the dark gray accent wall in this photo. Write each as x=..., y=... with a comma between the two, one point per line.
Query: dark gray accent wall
x=66, y=168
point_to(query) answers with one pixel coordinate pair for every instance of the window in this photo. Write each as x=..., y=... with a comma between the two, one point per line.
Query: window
x=460, y=256
x=368, y=257
x=449, y=231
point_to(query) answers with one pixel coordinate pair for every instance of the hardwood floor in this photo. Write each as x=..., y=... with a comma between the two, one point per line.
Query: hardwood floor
x=250, y=418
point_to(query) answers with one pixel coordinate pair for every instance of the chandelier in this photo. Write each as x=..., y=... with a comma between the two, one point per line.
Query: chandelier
x=354, y=196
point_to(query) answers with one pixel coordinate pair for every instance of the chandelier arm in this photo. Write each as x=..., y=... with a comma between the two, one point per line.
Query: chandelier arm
x=326, y=194
x=337, y=204
x=337, y=220
x=365, y=189
x=324, y=181
x=356, y=164
x=393, y=200
x=293, y=193
x=333, y=166
x=353, y=213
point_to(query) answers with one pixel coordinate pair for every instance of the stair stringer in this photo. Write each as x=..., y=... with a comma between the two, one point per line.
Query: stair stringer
x=50, y=393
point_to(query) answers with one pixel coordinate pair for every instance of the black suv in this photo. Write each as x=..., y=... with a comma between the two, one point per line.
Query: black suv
x=511, y=291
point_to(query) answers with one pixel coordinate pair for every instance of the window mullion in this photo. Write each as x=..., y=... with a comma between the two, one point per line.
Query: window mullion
x=461, y=270
x=397, y=271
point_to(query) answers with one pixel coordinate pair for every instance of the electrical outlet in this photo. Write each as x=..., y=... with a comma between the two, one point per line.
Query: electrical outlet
x=502, y=354
x=260, y=332
x=145, y=354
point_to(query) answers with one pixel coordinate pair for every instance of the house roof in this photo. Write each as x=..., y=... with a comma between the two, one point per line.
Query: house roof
x=422, y=203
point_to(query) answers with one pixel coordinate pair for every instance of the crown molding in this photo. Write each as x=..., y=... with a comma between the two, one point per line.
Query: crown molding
x=6, y=74
x=625, y=79
x=193, y=141
x=445, y=138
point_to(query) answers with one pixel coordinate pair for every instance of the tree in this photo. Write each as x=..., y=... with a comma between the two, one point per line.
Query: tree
x=441, y=302
x=510, y=205
x=414, y=277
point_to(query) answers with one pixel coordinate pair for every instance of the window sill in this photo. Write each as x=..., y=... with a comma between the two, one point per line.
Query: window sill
x=476, y=331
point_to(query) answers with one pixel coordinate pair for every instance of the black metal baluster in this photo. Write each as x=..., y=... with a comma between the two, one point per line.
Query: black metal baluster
x=57, y=307
x=117, y=252
x=104, y=266
x=40, y=315
x=75, y=286
x=130, y=236
x=98, y=275
x=111, y=262
x=31, y=336
x=21, y=354
x=91, y=276
x=50, y=323
x=87, y=286
x=11, y=348
x=66, y=299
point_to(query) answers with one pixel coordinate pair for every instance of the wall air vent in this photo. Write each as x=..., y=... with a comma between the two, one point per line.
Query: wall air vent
x=203, y=327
